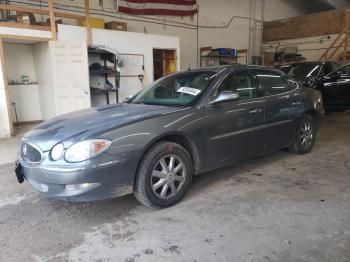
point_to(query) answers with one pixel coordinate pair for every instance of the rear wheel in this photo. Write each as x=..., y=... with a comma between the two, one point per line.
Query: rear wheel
x=164, y=175
x=305, y=136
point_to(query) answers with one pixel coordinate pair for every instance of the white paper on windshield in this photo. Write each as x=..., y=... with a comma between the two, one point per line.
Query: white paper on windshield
x=189, y=90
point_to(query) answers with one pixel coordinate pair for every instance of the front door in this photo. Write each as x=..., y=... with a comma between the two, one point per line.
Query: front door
x=235, y=129
x=283, y=107
x=336, y=88
x=70, y=75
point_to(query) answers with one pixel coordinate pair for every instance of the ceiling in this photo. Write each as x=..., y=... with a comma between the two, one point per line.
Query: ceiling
x=312, y=6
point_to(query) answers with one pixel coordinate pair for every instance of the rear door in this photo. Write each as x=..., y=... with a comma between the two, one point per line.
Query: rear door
x=70, y=75
x=283, y=107
x=335, y=88
x=235, y=129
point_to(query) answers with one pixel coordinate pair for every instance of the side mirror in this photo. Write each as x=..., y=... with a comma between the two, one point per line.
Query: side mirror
x=225, y=96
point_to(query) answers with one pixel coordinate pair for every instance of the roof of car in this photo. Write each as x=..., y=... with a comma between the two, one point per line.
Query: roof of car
x=232, y=66
x=308, y=62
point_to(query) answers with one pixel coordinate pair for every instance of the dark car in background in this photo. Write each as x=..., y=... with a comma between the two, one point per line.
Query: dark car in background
x=307, y=72
x=335, y=88
x=179, y=126
x=330, y=78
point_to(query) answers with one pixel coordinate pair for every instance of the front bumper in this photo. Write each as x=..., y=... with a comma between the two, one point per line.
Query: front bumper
x=97, y=182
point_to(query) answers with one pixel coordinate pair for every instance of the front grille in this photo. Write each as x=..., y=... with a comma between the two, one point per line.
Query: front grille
x=38, y=186
x=30, y=153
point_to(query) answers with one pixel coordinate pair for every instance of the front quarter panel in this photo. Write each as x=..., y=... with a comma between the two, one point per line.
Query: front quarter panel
x=313, y=103
x=129, y=143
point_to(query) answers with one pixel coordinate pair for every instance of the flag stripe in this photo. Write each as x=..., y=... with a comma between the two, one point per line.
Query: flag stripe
x=157, y=7
x=152, y=11
x=171, y=2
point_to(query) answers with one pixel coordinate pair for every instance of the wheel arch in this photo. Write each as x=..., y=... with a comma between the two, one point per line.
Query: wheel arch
x=180, y=139
x=317, y=116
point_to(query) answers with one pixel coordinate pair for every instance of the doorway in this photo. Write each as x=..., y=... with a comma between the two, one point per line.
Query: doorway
x=164, y=62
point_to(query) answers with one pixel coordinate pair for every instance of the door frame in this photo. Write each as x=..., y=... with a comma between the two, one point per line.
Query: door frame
x=176, y=58
x=7, y=94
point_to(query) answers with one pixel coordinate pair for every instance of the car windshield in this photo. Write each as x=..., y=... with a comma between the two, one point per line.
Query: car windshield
x=301, y=70
x=177, y=90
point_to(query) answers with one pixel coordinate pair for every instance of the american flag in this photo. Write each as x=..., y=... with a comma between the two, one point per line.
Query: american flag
x=158, y=7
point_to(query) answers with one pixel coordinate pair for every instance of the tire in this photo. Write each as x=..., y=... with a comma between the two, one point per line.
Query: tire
x=157, y=175
x=305, y=136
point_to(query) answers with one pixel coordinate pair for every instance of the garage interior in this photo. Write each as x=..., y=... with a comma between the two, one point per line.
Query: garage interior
x=60, y=56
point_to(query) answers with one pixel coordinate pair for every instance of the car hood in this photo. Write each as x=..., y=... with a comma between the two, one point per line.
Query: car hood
x=91, y=122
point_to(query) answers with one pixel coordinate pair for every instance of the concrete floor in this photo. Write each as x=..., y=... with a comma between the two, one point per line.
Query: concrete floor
x=281, y=207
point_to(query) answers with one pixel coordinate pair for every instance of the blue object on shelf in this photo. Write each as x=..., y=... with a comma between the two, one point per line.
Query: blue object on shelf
x=226, y=51
x=222, y=51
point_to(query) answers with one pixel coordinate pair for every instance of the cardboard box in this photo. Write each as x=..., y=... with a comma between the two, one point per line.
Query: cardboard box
x=94, y=22
x=114, y=25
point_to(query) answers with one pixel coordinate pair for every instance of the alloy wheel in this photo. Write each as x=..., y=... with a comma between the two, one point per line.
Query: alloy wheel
x=306, y=134
x=168, y=176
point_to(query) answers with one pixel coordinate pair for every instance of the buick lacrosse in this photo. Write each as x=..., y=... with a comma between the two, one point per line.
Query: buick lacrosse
x=177, y=127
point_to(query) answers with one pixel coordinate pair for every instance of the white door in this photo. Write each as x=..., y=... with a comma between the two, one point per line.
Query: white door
x=70, y=75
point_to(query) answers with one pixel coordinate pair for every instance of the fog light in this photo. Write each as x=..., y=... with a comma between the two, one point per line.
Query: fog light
x=76, y=187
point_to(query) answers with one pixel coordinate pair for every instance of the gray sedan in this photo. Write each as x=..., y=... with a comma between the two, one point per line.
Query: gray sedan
x=179, y=126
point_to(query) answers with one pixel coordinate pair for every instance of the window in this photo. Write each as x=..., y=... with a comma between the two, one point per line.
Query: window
x=273, y=83
x=178, y=90
x=335, y=65
x=344, y=71
x=301, y=70
x=328, y=68
x=239, y=82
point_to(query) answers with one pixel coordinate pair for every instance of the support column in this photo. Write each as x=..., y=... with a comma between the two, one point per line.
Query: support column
x=52, y=20
x=87, y=22
x=6, y=126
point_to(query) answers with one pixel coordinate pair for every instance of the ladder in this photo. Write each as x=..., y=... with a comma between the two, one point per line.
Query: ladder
x=339, y=49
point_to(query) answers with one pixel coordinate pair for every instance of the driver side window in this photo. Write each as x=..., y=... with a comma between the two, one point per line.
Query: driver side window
x=238, y=82
x=344, y=71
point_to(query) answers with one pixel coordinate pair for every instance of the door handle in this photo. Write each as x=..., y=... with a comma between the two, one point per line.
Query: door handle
x=86, y=92
x=255, y=110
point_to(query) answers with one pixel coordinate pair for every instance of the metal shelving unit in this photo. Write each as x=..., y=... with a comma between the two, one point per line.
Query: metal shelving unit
x=105, y=73
x=209, y=53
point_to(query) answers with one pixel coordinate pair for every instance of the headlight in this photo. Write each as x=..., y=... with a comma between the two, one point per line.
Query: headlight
x=57, y=151
x=85, y=150
x=318, y=104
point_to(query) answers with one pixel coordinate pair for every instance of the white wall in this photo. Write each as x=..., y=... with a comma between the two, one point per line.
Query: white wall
x=26, y=98
x=5, y=129
x=279, y=9
x=19, y=61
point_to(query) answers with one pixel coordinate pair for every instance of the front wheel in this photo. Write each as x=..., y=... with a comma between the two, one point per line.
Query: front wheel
x=164, y=175
x=305, y=136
